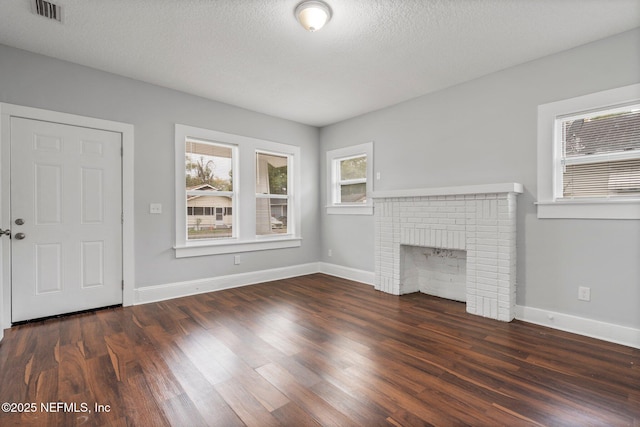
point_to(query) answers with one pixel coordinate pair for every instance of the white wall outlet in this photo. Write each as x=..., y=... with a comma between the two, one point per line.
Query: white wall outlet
x=330, y=252
x=155, y=208
x=584, y=293
x=378, y=176
x=236, y=260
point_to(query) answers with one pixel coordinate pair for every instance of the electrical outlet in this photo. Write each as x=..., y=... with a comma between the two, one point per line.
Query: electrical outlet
x=236, y=260
x=584, y=293
x=330, y=252
x=155, y=208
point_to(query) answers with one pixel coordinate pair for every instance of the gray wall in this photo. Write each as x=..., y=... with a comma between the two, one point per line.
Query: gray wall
x=482, y=132
x=38, y=81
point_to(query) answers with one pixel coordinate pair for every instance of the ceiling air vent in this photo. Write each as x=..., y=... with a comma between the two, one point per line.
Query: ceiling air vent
x=47, y=9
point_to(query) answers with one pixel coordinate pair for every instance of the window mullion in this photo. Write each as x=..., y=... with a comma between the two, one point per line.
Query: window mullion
x=272, y=196
x=603, y=158
x=352, y=181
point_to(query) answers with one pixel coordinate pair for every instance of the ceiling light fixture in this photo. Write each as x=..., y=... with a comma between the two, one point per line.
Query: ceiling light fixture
x=312, y=15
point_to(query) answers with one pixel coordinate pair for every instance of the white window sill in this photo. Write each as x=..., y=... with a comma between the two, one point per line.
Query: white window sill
x=590, y=209
x=349, y=210
x=193, y=249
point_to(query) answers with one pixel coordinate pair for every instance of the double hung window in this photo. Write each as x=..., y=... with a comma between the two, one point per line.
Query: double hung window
x=234, y=193
x=599, y=154
x=349, y=172
x=589, y=156
x=272, y=193
x=351, y=180
x=210, y=193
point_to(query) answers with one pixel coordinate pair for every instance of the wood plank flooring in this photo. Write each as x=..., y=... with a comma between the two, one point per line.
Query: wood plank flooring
x=307, y=351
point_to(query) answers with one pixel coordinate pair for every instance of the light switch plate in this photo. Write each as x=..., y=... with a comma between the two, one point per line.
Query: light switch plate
x=155, y=208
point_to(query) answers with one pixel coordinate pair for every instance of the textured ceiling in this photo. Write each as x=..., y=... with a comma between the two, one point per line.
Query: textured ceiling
x=255, y=55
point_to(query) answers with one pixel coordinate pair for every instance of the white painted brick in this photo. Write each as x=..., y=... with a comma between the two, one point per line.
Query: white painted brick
x=486, y=222
x=487, y=285
x=484, y=225
x=486, y=307
x=447, y=209
x=494, y=309
x=486, y=242
x=486, y=250
x=487, y=274
x=489, y=209
x=488, y=261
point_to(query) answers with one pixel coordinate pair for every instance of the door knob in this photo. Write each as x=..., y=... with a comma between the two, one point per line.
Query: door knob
x=19, y=221
x=19, y=236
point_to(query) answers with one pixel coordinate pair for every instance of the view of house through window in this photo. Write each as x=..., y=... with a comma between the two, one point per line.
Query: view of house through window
x=352, y=181
x=601, y=154
x=234, y=193
x=209, y=189
x=272, y=193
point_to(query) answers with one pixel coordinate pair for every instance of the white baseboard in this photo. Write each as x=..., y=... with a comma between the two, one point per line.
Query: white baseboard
x=362, y=276
x=579, y=325
x=565, y=322
x=167, y=291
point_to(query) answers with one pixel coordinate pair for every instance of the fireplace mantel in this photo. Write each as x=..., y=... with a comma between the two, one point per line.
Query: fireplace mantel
x=507, y=187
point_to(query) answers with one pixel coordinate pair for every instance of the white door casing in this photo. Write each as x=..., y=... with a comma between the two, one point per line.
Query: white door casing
x=7, y=111
x=66, y=210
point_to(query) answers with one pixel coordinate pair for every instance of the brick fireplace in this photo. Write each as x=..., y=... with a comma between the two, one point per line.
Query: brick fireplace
x=475, y=224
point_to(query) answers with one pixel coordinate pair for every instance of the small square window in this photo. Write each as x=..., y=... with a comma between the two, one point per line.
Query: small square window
x=350, y=172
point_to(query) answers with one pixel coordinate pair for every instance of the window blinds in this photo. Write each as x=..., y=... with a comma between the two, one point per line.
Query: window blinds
x=601, y=154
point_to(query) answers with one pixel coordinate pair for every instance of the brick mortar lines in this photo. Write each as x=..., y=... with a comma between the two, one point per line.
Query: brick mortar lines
x=483, y=225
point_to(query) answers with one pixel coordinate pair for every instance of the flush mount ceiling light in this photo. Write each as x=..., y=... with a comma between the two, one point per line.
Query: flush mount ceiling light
x=312, y=15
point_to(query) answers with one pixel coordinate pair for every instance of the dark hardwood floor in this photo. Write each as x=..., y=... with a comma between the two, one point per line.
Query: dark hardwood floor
x=312, y=350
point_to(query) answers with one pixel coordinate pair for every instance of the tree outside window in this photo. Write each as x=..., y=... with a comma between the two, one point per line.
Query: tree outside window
x=209, y=189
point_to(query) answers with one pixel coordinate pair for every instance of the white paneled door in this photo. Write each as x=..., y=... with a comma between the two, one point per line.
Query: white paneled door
x=66, y=218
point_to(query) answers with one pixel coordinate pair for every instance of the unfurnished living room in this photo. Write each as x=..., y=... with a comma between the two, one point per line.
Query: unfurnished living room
x=320, y=213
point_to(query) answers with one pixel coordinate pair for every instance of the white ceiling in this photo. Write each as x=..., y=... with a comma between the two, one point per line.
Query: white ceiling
x=255, y=55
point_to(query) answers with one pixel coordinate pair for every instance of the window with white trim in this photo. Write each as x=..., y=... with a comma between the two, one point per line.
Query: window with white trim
x=599, y=154
x=272, y=193
x=589, y=156
x=210, y=191
x=234, y=193
x=349, y=176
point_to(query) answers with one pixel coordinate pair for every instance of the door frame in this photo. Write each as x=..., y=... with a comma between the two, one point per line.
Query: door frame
x=128, y=250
